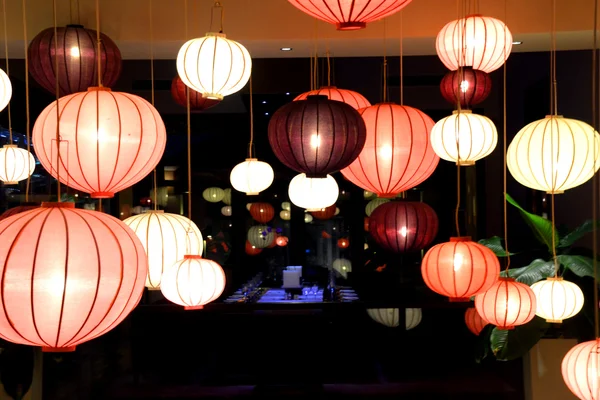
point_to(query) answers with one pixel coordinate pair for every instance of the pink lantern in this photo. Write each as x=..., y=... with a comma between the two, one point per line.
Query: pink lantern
x=353, y=99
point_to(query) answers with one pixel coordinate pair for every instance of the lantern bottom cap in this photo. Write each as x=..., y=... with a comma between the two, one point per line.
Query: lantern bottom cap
x=351, y=26
x=252, y=193
x=459, y=299
x=212, y=96
x=193, y=307
x=153, y=289
x=465, y=163
x=506, y=328
x=554, y=321
x=555, y=192
x=102, y=195
x=67, y=349
x=387, y=195
x=460, y=239
x=11, y=183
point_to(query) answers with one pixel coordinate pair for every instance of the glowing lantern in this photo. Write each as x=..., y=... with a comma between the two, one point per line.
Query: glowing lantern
x=343, y=243
x=506, y=304
x=252, y=250
x=282, y=241
x=324, y=213
x=368, y=195
x=342, y=267
x=68, y=275
x=248, y=205
x=213, y=194
x=337, y=211
x=483, y=43
x=5, y=90
x=460, y=268
x=397, y=155
x=581, y=368
x=226, y=211
x=15, y=164
x=193, y=282
x=260, y=236
x=197, y=101
x=464, y=137
x=308, y=218
x=286, y=205
x=390, y=317
x=227, y=196
x=313, y=194
x=353, y=99
x=285, y=215
x=467, y=86
x=251, y=176
x=366, y=224
x=474, y=321
x=262, y=212
x=373, y=204
x=18, y=209
x=554, y=154
x=557, y=299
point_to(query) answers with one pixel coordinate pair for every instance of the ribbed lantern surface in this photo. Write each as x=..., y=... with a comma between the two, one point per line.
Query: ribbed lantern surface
x=18, y=209
x=5, y=90
x=467, y=86
x=251, y=176
x=474, y=321
x=557, y=299
x=390, y=317
x=197, y=101
x=261, y=236
x=353, y=99
x=325, y=213
x=581, y=368
x=16, y=164
x=262, y=212
x=506, y=304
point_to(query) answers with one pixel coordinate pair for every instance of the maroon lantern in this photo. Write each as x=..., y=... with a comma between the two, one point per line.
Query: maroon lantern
x=262, y=212
x=324, y=213
x=77, y=62
x=466, y=84
x=403, y=226
x=197, y=102
x=317, y=136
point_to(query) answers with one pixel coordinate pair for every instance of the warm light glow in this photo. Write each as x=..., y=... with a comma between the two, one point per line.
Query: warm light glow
x=5, y=90
x=390, y=317
x=251, y=176
x=402, y=231
x=386, y=152
x=315, y=140
x=342, y=267
x=313, y=194
x=557, y=299
x=464, y=86
x=261, y=236
x=285, y=215
x=16, y=164
x=458, y=262
x=75, y=51
x=213, y=194
x=353, y=99
x=506, y=304
x=581, y=370
x=226, y=211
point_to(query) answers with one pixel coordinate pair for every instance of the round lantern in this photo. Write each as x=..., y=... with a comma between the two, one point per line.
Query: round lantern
x=69, y=275
x=350, y=14
x=5, y=90
x=557, y=299
x=373, y=204
x=581, y=368
x=308, y=218
x=252, y=250
x=390, y=317
x=403, y=226
x=251, y=176
x=368, y=195
x=213, y=194
x=226, y=211
x=16, y=164
x=316, y=136
x=464, y=137
x=483, y=43
x=397, y=155
x=109, y=140
x=285, y=215
x=467, y=86
x=227, y=196
x=460, y=268
x=286, y=205
x=506, y=304
x=324, y=213
x=474, y=321
x=261, y=236
x=337, y=211
x=282, y=241
x=214, y=65
x=18, y=209
x=262, y=212
x=313, y=194
x=77, y=53
x=343, y=243
x=166, y=239
x=366, y=224
x=146, y=201
x=353, y=99
x=342, y=267
x=193, y=282
x=569, y=142
x=197, y=101
x=248, y=205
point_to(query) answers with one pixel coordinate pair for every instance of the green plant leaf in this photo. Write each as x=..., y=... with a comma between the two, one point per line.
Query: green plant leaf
x=579, y=265
x=495, y=244
x=482, y=344
x=536, y=271
x=541, y=227
x=570, y=238
x=513, y=344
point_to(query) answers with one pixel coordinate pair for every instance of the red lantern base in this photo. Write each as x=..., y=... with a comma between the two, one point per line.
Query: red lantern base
x=102, y=195
x=351, y=26
x=193, y=307
x=58, y=349
x=506, y=328
x=459, y=299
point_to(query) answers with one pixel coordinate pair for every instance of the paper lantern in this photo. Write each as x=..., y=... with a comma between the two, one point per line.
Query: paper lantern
x=286, y=205
x=252, y=250
x=262, y=212
x=353, y=99
x=557, y=299
x=77, y=53
x=325, y=213
x=166, y=239
x=397, y=155
x=342, y=267
x=390, y=317
x=351, y=14
x=474, y=321
x=316, y=136
x=197, y=101
x=460, y=268
x=308, y=218
x=373, y=204
x=282, y=241
x=337, y=211
x=251, y=176
x=68, y=275
x=343, y=243
x=313, y=194
x=366, y=224
x=227, y=196
x=260, y=236
x=368, y=195
x=18, y=209
x=403, y=226
x=214, y=65
x=226, y=211
x=213, y=194
x=193, y=282
x=464, y=137
x=483, y=43
x=285, y=215
x=580, y=370
x=248, y=205
x=5, y=90
x=569, y=142
x=467, y=86
x=506, y=304
x=16, y=164
x=109, y=140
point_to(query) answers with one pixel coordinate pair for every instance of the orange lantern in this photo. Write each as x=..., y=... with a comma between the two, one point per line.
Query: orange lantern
x=252, y=250
x=282, y=241
x=506, y=304
x=353, y=99
x=325, y=235
x=324, y=213
x=343, y=243
x=581, y=368
x=262, y=212
x=474, y=321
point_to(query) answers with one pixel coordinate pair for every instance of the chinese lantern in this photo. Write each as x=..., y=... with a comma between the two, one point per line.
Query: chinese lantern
x=227, y=196
x=368, y=195
x=252, y=250
x=397, y=155
x=467, y=86
x=373, y=204
x=474, y=321
x=193, y=282
x=308, y=218
x=262, y=212
x=285, y=215
x=5, y=90
x=213, y=194
x=286, y=205
x=77, y=53
x=18, y=209
x=316, y=136
x=69, y=275
x=214, y=65
x=366, y=224
x=506, y=304
x=251, y=176
x=108, y=140
x=273, y=242
x=557, y=299
x=197, y=101
x=343, y=243
x=351, y=14
x=581, y=368
x=146, y=201
x=572, y=145
x=342, y=267
x=353, y=99
x=325, y=234
x=460, y=268
x=313, y=194
x=483, y=43
x=324, y=213
x=260, y=236
x=282, y=241
x=226, y=211
x=390, y=317
x=403, y=226
x=16, y=164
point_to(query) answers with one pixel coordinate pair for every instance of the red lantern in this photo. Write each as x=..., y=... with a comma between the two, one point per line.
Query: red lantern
x=109, y=140
x=68, y=275
x=366, y=224
x=350, y=14
x=460, y=268
x=325, y=235
x=506, y=304
x=316, y=136
x=282, y=241
x=353, y=99
x=262, y=212
x=18, y=209
x=197, y=102
x=324, y=213
x=581, y=368
x=77, y=59
x=474, y=322
x=252, y=250
x=467, y=85
x=343, y=243
x=145, y=201
x=397, y=155
x=403, y=226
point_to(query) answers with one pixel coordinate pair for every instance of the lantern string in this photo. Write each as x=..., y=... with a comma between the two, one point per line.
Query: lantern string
x=57, y=89
x=27, y=116
x=316, y=55
x=251, y=144
x=216, y=5
x=553, y=114
x=7, y=69
x=98, y=54
x=461, y=10
x=401, y=59
x=152, y=89
x=189, y=130
x=384, y=61
x=328, y=68
x=505, y=169
x=595, y=176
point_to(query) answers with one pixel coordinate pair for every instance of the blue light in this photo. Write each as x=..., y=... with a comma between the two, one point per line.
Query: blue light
x=307, y=251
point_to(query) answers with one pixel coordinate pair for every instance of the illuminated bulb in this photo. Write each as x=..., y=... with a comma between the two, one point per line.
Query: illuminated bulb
x=386, y=152
x=458, y=261
x=464, y=86
x=315, y=141
x=75, y=51
x=402, y=231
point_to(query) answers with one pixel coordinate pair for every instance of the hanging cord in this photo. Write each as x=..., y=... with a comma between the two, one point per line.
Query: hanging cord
x=56, y=87
x=505, y=169
x=98, y=54
x=10, y=135
x=152, y=96
x=251, y=144
x=217, y=5
x=401, y=59
x=457, y=125
x=384, y=61
x=189, y=132
x=595, y=176
x=316, y=55
x=27, y=116
x=328, y=68
x=554, y=113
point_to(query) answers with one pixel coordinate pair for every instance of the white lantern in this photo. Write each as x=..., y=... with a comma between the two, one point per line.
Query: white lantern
x=261, y=236
x=286, y=205
x=251, y=176
x=285, y=215
x=226, y=211
x=557, y=299
x=214, y=65
x=342, y=267
x=373, y=204
x=554, y=154
x=213, y=194
x=308, y=218
x=464, y=137
x=390, y=317
x=5, y=90
x=227, y=196
x=16, y=164
x=166, y=239
x=313, y=193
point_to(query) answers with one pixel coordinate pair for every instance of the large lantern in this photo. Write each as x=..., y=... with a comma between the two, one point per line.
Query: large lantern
x=197, y=101
x=316, y=136
x=466, y=86
x=397, y=155
x=557, y=299
x=460, y=268
x=353, y=99
x=325, y=213
x=68, y=275
x=506, y=304
x=581, y=368
x=5, y=90
x=262, y=212
x=390, y=317
x=260, y=236
x=403, y=226
x=554, y=154
x=166, y=239
x=313, y=194
x=77, y=53
x=16, y=164
x=474, y=321
x=251, y=176
x=108, y=140
x=483, y=43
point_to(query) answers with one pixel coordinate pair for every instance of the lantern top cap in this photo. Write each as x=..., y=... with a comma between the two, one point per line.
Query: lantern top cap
x=552, y=278
x=75, y=26
x=506, y=279
x=99, y=89
x=461, y=239
x=192, y=257
x=54, y=204
x=317, y=97
x=7, y=146
x=327, y=87
x=251, y=159
x=155, y=212
x=218, y=34
x=551, y=116
x=462, y=112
